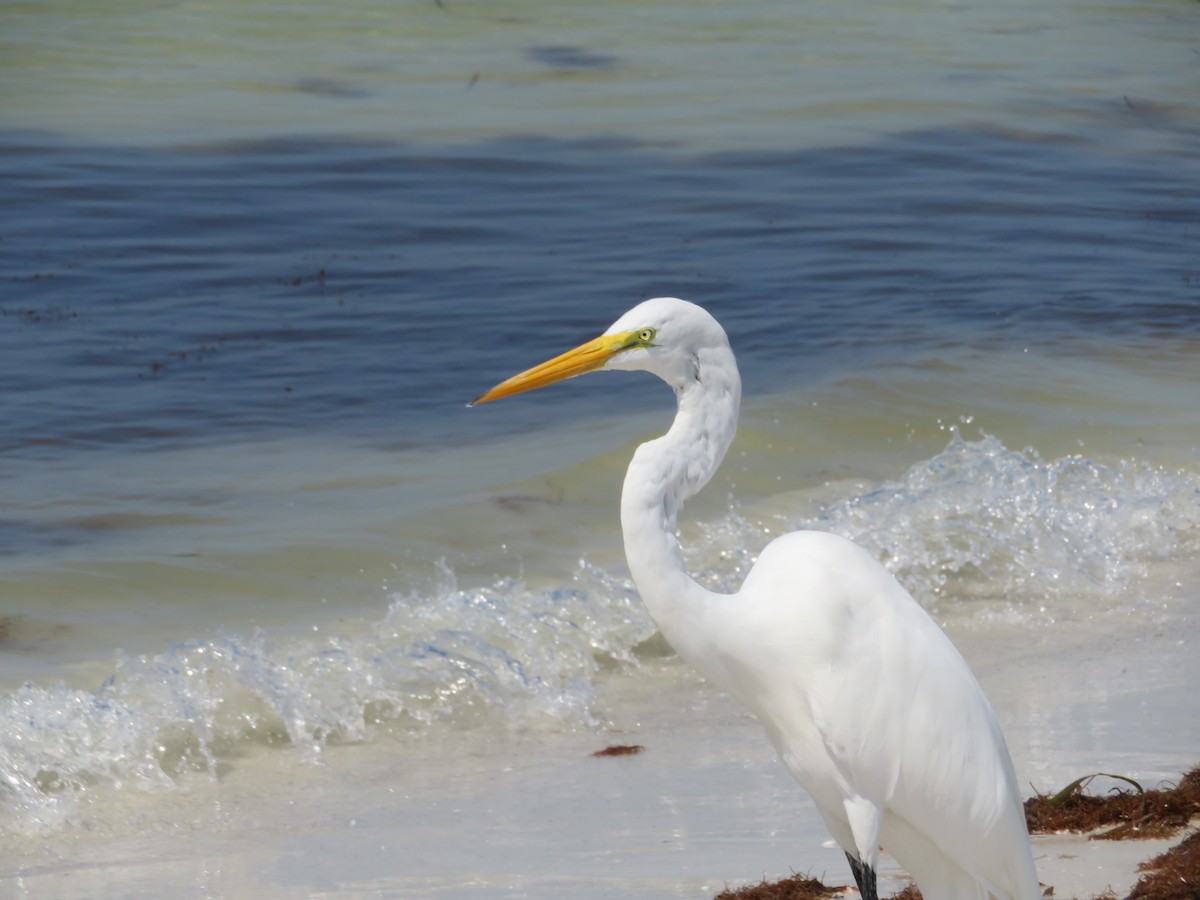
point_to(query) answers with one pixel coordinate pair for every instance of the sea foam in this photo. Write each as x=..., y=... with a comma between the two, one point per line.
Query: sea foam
x=980, y=520
x=502, y=655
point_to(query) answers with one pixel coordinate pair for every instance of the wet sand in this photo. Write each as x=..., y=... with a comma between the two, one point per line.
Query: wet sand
x=705, y=806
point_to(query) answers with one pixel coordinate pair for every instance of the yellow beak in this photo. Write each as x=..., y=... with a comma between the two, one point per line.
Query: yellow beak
x=584, y=358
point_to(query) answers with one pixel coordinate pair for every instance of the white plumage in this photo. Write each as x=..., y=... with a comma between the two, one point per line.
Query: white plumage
x=868, y=703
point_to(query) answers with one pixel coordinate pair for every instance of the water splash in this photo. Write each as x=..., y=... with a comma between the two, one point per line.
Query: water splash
x=979, y=520
x=504, y=655
x=527, y=655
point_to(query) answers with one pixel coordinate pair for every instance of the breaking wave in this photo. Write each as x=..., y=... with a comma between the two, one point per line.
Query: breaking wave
x=978, y=522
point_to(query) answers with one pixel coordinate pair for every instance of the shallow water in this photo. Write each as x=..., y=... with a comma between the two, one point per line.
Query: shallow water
x=253, y=273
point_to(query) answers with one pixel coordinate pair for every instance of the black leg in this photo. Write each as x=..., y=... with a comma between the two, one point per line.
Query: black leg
x=864, y=877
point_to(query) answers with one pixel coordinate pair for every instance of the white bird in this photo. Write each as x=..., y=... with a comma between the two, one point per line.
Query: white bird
x=868, y=703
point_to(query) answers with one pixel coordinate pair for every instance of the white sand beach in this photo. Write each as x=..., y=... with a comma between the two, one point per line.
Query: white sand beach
x=534, y=815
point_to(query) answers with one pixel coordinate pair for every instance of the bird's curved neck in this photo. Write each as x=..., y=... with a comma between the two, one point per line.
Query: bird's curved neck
x=662, y=475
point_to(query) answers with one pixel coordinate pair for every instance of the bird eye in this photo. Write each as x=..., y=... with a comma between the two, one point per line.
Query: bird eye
x=646, y=335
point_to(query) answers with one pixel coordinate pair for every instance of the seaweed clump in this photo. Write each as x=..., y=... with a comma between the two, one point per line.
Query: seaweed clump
x=1171, y=875
x=620, y=750
x=1120, y=815
x=798, y=887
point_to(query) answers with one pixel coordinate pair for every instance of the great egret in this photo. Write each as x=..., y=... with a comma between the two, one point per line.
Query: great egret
x=868, y=703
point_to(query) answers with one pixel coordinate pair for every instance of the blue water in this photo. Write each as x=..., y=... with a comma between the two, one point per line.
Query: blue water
x=254, y=263
x=166, y=297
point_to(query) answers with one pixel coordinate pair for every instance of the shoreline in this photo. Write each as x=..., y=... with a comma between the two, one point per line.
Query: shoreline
x=534, y=815
x=670, y=822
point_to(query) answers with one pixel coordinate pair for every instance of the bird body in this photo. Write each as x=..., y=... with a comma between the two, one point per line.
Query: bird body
x=868, y=703
x=877, y=716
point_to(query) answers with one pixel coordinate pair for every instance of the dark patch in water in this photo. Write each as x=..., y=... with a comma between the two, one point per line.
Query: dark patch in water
x=328, y=87
x=522, y=503
x=40, y=316
x=23, y=635
x=567, y=58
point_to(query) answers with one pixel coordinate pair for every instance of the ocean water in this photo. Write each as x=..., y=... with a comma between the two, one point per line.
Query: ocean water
x=255, y=261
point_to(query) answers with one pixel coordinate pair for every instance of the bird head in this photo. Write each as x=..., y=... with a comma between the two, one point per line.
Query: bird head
x=665, y=336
